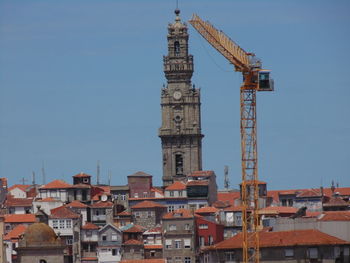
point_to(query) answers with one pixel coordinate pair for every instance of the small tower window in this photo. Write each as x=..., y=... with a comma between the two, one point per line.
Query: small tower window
x=177, y=48
x=179, y=164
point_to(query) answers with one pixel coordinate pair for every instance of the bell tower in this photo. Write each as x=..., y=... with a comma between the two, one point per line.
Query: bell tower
x=180, y=132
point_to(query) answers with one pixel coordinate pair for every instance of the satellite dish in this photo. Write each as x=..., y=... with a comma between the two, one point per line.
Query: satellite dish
x=104, y=198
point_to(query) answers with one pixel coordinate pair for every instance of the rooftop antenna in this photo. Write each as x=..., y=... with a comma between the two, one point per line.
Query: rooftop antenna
x=98, y=173
x=109, y=177
x=43, y=173
x=226, y=179
x=33, y=178
x=23, y=180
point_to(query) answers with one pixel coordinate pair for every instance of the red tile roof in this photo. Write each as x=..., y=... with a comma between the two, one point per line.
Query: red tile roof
x=310, y=193
x=20, y=218
x=63, y=212
x=179, y=213
x=207, y=209
x=102, y=204
x=176, y=186
x=153, y=246
x=48, y=199
x=335, y=216
x=336, y=201
x=16, y=232
x=279, y=210
x=221, y=204
x=147, y=204
x=124, y=213
x=197, y=182
x=81, y=175
x=23, y=187
x=155, y=260
x=135, y=229
x=133, y=242
x=202, y=174
x=228, y=196
x=309, y=237
x=56, y=184
x=77, y=204
x=90, y=226
x=18, y=201
x=233, y=208
x=157, y=190
x=89, y=258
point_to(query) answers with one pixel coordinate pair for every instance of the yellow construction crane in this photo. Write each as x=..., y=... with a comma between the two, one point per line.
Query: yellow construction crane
x=254, y=79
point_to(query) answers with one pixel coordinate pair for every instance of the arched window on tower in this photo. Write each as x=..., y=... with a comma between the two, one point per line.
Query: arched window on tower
x=177, y=48
x=179, y=164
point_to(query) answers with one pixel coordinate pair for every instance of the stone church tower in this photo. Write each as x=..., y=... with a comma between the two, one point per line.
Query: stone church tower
x=180, y=132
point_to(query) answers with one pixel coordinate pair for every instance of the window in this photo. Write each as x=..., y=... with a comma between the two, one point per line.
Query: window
x=171, y=193
x=145, y=194
x=187, y=260
x=178, y=260
x=187, y=243
x=69, y=223
x=210, y=240
x=177, y=244
x=13, y=246
x=123, y=197
x=55, y=224
x=97, y=212
x=12, y=210
x=187, y=227
x=203, y=226
x=69, y=241
x=104, y=237
x=114, y=237
x=114, y=252
x=89, y=233
x=137, y=214
x=62, y=223
x=168, y=243
x=169, y=260
x=179, y=164
x=172, y=227
x=312, y=252
x=42, y=261
x=149, y=214
x=181, y=206
x=171, y=208
x=289, y=252
x=136, y=195
x=177, y=48
x=201, y=241
x=230, y=256
x=180, y=193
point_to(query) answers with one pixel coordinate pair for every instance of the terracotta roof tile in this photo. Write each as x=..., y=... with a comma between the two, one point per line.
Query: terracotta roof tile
x=147, y=204
x=102, y=204
x=90, y=226
x=179, y=213
x=23, y=187
x=76, y=204
x=81, y=175
x=63, y=212
x=233, y=208
x=20, y=218
x=228, y=196
x=89, y=258
x=124, y=213
x=206, y=209
x=153, y=246
x=10, y=201
x=16, y=232
x=336, y=201
x=201, y=174
x=56, y=184
x=283, y=239
x=335, y=216
x=157, y=229
x=157, y=190
x=176, y=186
x=221, y=204
x=133, y=242
x=279, y=210
x=135, y=229
x=310, y=193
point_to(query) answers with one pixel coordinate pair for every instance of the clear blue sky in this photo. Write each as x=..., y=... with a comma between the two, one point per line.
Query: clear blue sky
x=80, y=81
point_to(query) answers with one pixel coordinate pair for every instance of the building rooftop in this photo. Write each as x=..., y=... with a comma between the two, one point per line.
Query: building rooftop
x=20, y=218
x=206, y=209
x=140, y=173
x=90, y=226
x=278, y=210
x=81, y=175
x=335, y=216
x=77, y=204
x=147, y=204
x=16, y=232
x=101, y=204
x=177, y=185
x=63, y=212
x=23, y=187
x=135, y=229
x=179, y=214
x=10, y=201
x=56, y=184
x=133, y=242
x=309, y=237
x=201, y=174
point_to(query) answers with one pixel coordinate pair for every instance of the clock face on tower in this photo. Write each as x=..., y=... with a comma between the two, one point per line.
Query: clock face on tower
x=177, y=95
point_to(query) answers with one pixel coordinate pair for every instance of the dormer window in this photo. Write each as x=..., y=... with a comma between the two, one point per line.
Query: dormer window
x=177, y=48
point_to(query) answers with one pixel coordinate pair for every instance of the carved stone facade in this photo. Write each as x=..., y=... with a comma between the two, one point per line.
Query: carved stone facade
x=180, y=132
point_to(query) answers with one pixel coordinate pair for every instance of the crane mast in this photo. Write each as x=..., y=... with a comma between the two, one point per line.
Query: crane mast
x=255, y=79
